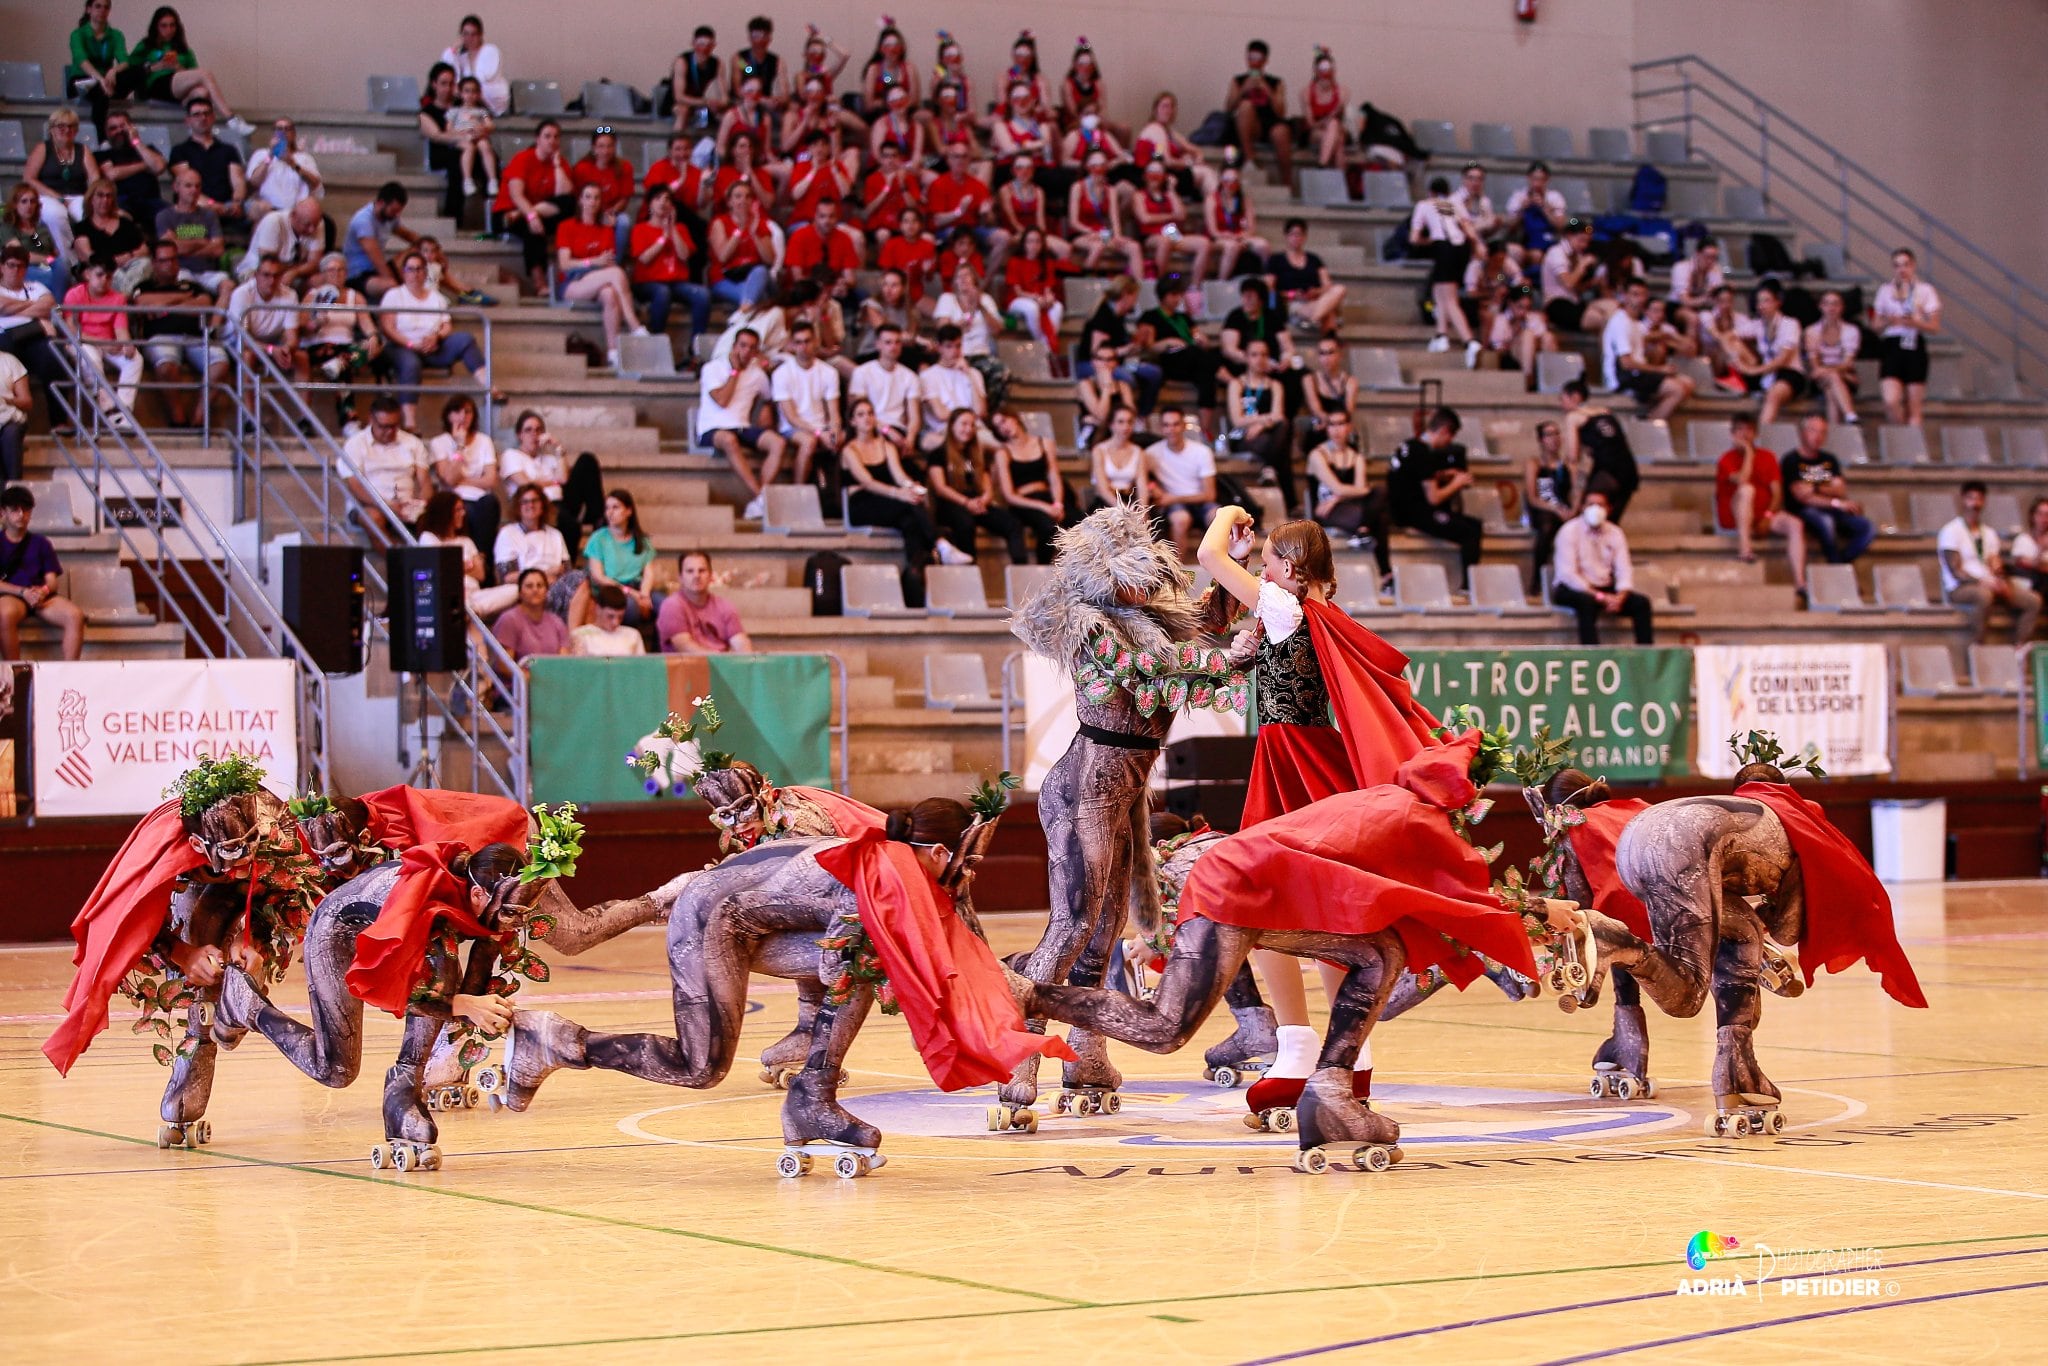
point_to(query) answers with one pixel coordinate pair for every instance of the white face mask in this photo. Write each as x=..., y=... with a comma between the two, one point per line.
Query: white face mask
x=1594, y=515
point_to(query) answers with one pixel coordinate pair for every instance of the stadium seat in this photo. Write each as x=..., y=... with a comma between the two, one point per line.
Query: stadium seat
x=1832, y=588
x=1219, y=297
x=1439, y=136
x=12, y=148
x=56, y=514
x=1902, y=445
x=792, y=509
x=1779, y=438
x=1832, y=258
x=650, y=357
x=955, y=590
x=1577, y=192
x=394, y=94
x=1929, y=671
x=540, y=98
x=1555, y=369
x=957, y=682
x=104, y=592
x=1026, y=359
x=1324, y=188
x=607, y=100
x=1548, y=142
x=22, y=83
x=1931, y=511
x=2025, y=447
x=1377, y=367
x=1650, y=440
x=1422, y=586
x=1903, y=588
x=1020, y=581
x=158, y=136
x=1744, y=201
x=1473, y=437
x=1649, y=580
x=1666, y=147
x=1990, y=380
x=1038, y=423
x=1498, y=588
x=1965, y=446
x=1387, y=190
x=1696, y=369
x=1610, y=144
x=1945, y=379
x=1482, y=500
x=1689, y=198
x=873, y=590
x=1084, y=294
x=2002, y=514
x=1358, y=587
x=1995, y=668
x=1847, y=443
x=1494, y=140
x=1883, y=513
x=1384, y=432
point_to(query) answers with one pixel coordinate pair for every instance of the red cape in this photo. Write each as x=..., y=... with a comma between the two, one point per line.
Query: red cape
x=389, y=953
x=849, y=817
x=402, y=816
x=118, y=923
x=1593, y=844
x=954, y=997
x=1359, y=862
x=1848, y=914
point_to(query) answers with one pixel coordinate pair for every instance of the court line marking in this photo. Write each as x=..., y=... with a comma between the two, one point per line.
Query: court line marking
x=610, y=1220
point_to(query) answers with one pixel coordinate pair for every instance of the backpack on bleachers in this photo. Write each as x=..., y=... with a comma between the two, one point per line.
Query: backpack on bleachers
x=821, y=576
x=1799, y=303
x=1216, y=130
x=1382, y=129
x=1648, y=191
x=1767, y=255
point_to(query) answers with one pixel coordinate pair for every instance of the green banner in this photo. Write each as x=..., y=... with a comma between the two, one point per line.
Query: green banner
x=2040, y=658
x=1627, y=710
x=589, y=714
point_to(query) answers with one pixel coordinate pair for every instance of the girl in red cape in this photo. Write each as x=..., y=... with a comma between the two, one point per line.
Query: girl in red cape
x=348, y=836
x=1313, y=664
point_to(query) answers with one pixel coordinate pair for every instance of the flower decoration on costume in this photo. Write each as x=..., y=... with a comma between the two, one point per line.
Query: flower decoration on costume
x=309, y=805
x=557, y=842
x=1763, y=747
x=214, y=780
x=672, y=757
x=1177, y=676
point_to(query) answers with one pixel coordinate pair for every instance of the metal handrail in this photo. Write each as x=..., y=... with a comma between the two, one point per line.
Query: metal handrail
x=1862, y=209
x=2026, y=699
x=247, y=624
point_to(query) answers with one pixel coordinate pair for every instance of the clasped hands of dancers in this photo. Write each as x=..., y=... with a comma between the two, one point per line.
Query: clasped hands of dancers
x=1356, y=851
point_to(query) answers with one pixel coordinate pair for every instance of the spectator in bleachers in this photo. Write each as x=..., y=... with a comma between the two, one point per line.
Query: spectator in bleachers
x=1832, y=347
x=1161, y=222
x=528, y=628
x=612, y=174
x=587, y=268
x=575, y=492
x=1027, y=143
x=1099, y=394
x=890, y=188
x=1181, y=474
x=100, y=70
x=915, y=253
x=25, y=309
x=887, y=67
x=691, y=188
x=1775, y=341
x=758, y=61
x=660, y=250
x=23, y=226
x=2030, y=547
x=29, y=577
x=1258, y=422
x=608, y=636
x=617, y=555
x=196, y=229
x=1906, y=313
x=811, y=116
x=743, y=247
x=419, y=332
x=15, y=402
x=1973, y=572
x=1344, y=500
x=1032, y=291
x=385, y=459
x=1089, y=134
x=1693, y=282
x=1597, y=448
x=472, y=58
x=445, y=522
x=224, y=185
x=1535, y=214
x=1028, y=481
x=466, y=464
x=1653, y=383
x=752, y=122
x=806, y=394
x=537, y=194
x=95, y=308
x=1471, y=200
x=1590, y=573
x=1081, y=89
x=949, y=69
x=899, y=125
x=1426, y=479
x=964, y=496
x=1329, y=387
x=107, y=231
x=1520, y=332
x=263, y=319
x=1257, y=102
x=362, y=241
x=1819, y=496
x=1322, y=109
x=890, y=385
x=1439, y=232
x=340, y=334
x=1232, y=226
x=1749, y=499
x=947, y=387
x=1571, y=282
x=696, y=621
x=296, y=238
x=135, y=168
x=441, y=276
x=448, y=151
x=1025, y=71
x=530, y=544
x=766, y=319
x=1252, y=320
x=173, y=75
x=1158, y=140
x=967, y=307
x=1020, y=205
x=818, y=173
x=470, y=122
x=1094, y=223
x=1169, y=339
x=880, y=493
x=175, y=339
x=1116, y=464
x=697, y=89
x=1722, y=338
x=1546, y=497
x=962, y=203
x=281, y=174
x=733, y=387
x=1108, y=326
x=1302, y=284
x=60, y=168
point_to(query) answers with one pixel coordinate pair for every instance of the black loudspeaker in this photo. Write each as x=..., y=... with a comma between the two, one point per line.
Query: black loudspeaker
x=323, y=604
x=1210, y=758
x=423, y=585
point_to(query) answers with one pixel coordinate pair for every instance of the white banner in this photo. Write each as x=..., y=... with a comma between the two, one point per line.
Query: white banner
x=1050, y=724
x=109, y=737
x=1837, y=697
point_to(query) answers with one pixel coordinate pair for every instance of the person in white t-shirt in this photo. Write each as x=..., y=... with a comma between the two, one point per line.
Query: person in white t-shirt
x=1440, y=230
x=732, y=387
x=1570, y=277
x=295, y=238
x=806, y=393
x=2030, y=547
x=1907, y=312
x=1656, y=384
x=1775, y=339
x=389, y=461
x=280, y=175
x=891, y=386
x=1520, y=332
x=416, y=322
x=1693, y=282
x=1832, y=345
x=1471, y=200
x=530, y=542
x=263, y=316
x=471, y=56
x=1973, y=573
x=1535, y=213
x=466, y=463
x=608, y=636
x=947, y=387
x=1181, y=472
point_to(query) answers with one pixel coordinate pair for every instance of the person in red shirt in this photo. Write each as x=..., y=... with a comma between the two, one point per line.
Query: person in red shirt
x=890, y=188
x=660, y=252
x=1161, y=221
x=744, y=166
x=1095, y=220
x=913, y=252
x=900, y=126
x=742, y=244
x=818, y=174
x=589, y=268
x=1749, y=498
x=960, y=205
x=535, y=193
x=1032, y=290
x=752, y=116
x=613, y=176
x=825, y=244
x=952, y=121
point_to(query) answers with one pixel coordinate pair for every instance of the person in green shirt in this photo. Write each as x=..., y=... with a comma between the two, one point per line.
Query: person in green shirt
x=100, y=69
x=173, y=75
x=618, y=553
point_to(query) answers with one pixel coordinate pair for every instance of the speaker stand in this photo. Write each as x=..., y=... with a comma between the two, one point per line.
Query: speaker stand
x=423, y=773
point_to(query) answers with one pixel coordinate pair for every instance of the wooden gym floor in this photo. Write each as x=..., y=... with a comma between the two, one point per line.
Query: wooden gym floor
x=622, y=1222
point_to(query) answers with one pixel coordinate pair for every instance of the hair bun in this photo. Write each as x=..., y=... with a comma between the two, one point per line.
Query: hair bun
x=899, y=825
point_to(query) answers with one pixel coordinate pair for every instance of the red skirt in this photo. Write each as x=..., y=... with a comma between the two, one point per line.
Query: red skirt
x=1293, y=766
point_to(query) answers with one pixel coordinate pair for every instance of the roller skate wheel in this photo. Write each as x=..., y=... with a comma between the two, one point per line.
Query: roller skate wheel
x=1313, y=1161
x=1649, y=1088
x=1774, y=1123
x=1738, y=1126
x=1226, y=1077
x=167, y=1136
x=1027, y=1120
x=1575, y=975
x=998, y=1118
x=1062, y=1103
x=1252, y=1121
x=491, y=1080
x=768, y=1076
x=792, y=1165
x=430, y=1158
x=470, y=1097
x=1554, y=979
x=379, y=1159
x=1112, y=1104
x=191, y=1137
x=402, y=1157
x=1715, y=1127
x=1625, y=1088
x=1395, y=1154
x=1282, y=1121
x=1372, y=1158
x=433, y=1099
x=1568, y=1003
x=202, y=1132
x=848, y=1166
x=1597, y=1088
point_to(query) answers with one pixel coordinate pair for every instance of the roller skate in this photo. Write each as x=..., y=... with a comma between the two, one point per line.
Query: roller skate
x=1621, y=1067
x=815, y=1126
x=1739, y=1116
x=1248, y=1052
x=1269, y=1104
x=1780, y=972
x=187, y=1092
x=538, y=1043
x=1089, y=1085
x=1335, y=1124
x=1746, y=1100
x=848, y=1162
x=409, y=1131
x=1575, y=958
x=446, y=1080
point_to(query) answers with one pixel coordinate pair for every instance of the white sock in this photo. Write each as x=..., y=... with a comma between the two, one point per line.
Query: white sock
x=1364, y=1063
x=1296, y=1056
